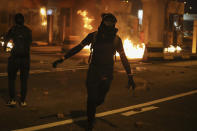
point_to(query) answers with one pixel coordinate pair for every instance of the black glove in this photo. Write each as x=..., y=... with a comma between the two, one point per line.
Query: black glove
x=131, y=82
x=57, y=62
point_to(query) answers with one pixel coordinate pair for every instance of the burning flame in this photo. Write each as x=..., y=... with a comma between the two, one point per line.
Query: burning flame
x=172, y=49
x=87, y=25
x=133, y=51
x=87, y=21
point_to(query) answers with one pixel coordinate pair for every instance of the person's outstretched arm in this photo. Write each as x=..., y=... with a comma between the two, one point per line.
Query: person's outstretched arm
x=76, y=49
x=125, y=63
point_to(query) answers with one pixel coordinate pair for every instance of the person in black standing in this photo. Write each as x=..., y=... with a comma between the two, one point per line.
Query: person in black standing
x=19, y=58
x=104, y=43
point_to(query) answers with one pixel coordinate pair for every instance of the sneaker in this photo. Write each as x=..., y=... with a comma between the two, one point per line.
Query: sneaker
x=11, y=103
x=23, y=104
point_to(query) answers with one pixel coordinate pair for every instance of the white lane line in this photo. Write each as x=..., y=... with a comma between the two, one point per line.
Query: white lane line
x=48, y=71
x=49, y=125
x=142, y=110
x=69, y=121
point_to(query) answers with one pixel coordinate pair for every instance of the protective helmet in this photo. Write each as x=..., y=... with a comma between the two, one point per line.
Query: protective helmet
x=109, y=17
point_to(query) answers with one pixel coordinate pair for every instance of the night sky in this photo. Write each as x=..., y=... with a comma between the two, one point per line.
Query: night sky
x=190, y=3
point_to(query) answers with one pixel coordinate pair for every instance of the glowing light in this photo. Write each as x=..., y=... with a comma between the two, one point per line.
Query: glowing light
x=43, y=11
x=140, y=16
x=10, y=45
x=87, y=21
x=87, y=47
x=43, y=14
x=127, y=1
x=175, y=24
x=172, y=49
x=49, y=12
x=44, y=23
x=2, y=43
x=133, y=51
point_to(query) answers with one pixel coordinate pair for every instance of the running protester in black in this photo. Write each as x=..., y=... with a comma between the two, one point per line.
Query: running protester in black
x=104, y=43
x=19, y=58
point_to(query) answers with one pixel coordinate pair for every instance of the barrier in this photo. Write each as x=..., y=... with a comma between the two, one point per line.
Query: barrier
x=154, y=51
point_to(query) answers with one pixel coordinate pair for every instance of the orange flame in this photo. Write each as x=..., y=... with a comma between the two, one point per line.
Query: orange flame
x=87, y=21
x=133, y=51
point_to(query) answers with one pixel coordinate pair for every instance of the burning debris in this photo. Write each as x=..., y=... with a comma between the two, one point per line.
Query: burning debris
x=133, y=51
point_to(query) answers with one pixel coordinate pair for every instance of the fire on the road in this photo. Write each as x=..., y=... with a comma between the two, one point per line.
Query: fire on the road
x=133, y=51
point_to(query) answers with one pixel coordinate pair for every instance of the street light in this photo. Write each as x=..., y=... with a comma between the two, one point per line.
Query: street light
x=140, y=16
x=49, y=12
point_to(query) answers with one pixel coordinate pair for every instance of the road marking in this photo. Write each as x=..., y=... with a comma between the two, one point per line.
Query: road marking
x=140, y=111
x=48, y=71
x=69, y=121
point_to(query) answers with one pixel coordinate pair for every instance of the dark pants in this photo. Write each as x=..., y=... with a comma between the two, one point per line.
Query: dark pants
x=98, y=84
x=23, y=65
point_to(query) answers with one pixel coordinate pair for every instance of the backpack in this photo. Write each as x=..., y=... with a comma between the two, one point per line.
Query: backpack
x=115, y=42
x=21, y=46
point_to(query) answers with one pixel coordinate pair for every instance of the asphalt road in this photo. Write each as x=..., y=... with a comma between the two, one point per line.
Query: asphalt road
x=165, y=98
